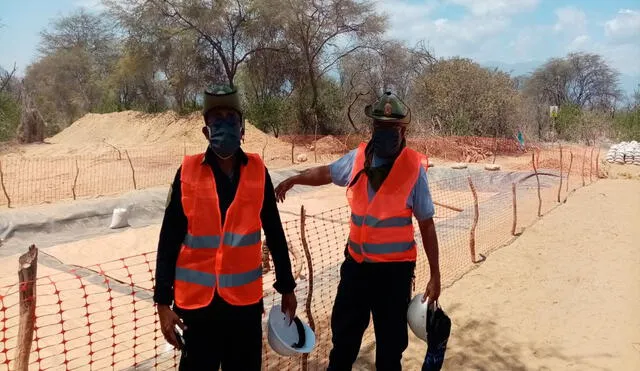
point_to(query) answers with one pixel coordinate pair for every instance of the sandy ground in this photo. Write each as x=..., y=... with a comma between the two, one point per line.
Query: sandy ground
x=326, y=230
x=562, y=297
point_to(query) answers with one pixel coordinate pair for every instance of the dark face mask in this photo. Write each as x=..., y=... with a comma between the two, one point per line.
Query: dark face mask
x=224, y=136
x=386, y=142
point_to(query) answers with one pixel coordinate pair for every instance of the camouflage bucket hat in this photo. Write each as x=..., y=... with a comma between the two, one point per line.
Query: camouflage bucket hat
x=221, y=96
x=389, y=108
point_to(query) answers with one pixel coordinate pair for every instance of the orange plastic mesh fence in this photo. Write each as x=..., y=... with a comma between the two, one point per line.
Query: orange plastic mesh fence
x=103, y=317
x=36, y=180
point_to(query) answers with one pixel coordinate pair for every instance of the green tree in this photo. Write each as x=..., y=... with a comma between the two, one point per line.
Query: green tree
x=581, y=79
x=463, y=98
x=9, y=116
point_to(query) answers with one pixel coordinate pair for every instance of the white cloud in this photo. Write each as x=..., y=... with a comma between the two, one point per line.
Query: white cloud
x=448, y=37
x=579, y=43
x=496, y=7
x=485, y=31
x=95, y=5
x=625, y=26
x=409, y=12
x=570, y=20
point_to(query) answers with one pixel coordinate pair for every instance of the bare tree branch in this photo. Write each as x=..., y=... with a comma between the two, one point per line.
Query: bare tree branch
x=7, y=79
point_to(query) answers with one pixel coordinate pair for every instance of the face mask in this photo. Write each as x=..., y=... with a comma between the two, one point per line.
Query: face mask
x=386, y=142
x=224, y=140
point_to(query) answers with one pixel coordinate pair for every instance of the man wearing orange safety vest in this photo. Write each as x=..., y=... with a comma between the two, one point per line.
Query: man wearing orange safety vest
x=386, y=185
x=209, y=263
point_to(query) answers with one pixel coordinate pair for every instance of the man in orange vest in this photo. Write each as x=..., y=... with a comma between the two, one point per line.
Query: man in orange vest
x=386, y=185
x=209, y=263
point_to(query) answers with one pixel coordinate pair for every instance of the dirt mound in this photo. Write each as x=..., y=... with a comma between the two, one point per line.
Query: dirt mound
x=465, y=149
x=330, y=144
x=95, y=133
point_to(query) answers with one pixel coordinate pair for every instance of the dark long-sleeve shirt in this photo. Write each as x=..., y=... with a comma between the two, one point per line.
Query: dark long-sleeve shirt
x=174, y=228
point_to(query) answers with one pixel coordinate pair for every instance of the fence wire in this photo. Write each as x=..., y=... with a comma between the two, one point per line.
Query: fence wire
x=102, y=317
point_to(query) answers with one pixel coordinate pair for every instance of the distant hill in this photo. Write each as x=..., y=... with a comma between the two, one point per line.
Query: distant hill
x=628, y=83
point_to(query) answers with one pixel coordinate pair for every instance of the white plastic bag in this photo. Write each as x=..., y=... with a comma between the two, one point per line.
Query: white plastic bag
x=120, y=217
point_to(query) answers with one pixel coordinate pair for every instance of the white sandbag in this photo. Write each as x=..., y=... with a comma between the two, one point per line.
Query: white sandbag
x=120, y=217
x=492, y=167
x=459, y=166
x=302, y=157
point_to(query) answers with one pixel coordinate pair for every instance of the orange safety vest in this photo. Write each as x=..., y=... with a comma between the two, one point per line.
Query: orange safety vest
x=213, y=257
x=382, y=230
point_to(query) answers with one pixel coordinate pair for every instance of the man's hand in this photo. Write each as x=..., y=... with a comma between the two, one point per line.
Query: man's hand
x=289, y=305
x=283, y=188
x=168, y=320
x=432, y=293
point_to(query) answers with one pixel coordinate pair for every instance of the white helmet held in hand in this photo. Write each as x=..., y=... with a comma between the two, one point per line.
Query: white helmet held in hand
x=289, y=339
x=417, y=316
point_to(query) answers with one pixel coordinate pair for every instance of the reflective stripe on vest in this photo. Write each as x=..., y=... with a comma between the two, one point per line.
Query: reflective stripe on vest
x=213, y=242
x=382, y=230
x=225, y=280
x=214, y=258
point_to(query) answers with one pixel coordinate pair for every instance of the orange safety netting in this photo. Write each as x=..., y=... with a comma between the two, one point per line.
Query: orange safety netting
x=103, y=316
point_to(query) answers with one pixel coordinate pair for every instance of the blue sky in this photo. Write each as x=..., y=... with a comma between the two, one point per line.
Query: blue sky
x=513, y=34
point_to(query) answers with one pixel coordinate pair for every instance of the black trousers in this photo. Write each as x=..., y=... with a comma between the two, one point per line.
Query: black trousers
x=382, y=289
x=222, y=335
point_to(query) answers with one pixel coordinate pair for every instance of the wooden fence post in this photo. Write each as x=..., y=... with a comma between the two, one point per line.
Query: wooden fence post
x=560, y=187
x=307, y=253
x=133, y=171
x=4, y=189
x=535, y=170
x=515, y=210
x=584, y=156
x=27, y=274
x=476, y=212
x=114, y=147
x=591, y=165
x=266, y=265
x=315, y=138
x=598, y=164
x=264, y=148
x=454, y=208
x=75, y=180
x=569, y=172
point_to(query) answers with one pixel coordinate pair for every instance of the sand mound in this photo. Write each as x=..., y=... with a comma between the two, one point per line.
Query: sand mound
x=330, y=144
x=96, y=133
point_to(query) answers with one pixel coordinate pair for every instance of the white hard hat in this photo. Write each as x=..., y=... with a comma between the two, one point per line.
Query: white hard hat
x=285, y=338
x=417, y=316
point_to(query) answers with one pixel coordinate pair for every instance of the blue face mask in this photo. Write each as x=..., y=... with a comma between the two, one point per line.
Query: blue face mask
x=386, y=142
x=224, y=136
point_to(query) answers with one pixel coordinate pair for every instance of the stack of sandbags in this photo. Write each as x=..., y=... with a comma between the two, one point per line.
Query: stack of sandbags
x=629, y=152
x=619, y=157
x=624, y=153
x=636, y=154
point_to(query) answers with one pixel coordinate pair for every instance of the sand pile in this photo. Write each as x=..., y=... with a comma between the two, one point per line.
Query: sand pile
x=97, y=133
x=330, y=144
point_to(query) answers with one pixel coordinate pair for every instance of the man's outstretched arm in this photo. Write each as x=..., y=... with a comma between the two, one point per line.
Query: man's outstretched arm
x=316, y=176
x=338, y=173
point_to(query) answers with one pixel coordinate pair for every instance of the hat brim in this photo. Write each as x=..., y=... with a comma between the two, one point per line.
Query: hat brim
x=368, y=111
x=222, y=101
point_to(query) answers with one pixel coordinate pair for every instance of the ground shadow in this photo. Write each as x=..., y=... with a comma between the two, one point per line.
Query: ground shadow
x=482, y=345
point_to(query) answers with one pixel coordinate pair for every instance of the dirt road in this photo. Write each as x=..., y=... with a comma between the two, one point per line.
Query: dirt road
x=564, y=296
